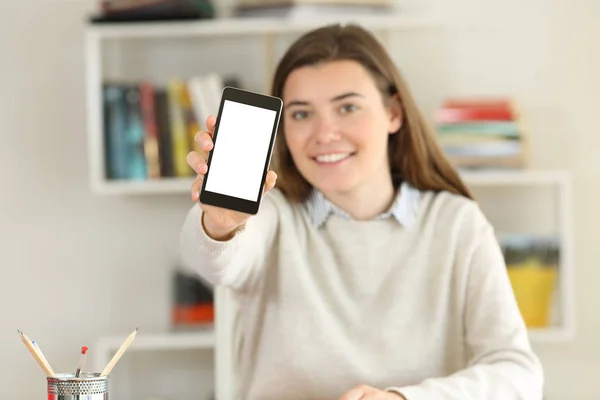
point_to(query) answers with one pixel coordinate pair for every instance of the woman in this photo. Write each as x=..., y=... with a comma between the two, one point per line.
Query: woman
x=369, y=272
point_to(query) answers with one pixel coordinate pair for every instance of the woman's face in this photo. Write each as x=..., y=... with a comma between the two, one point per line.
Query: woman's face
x=337, y=127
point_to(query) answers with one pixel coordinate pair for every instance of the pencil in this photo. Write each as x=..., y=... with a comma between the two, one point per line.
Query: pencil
x=43, y=358
x=119, y=353
x=37, y=354
x=84, y=350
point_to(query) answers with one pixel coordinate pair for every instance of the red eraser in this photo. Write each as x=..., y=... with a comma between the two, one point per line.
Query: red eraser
x=84, y=349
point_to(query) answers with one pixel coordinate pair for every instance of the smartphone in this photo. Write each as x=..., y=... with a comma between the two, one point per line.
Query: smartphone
x=243, y=141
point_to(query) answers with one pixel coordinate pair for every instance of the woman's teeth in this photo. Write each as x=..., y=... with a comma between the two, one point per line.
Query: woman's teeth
x=332, y=158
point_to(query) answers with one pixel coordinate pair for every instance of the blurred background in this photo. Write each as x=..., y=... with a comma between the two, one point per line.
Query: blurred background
x=98, y=103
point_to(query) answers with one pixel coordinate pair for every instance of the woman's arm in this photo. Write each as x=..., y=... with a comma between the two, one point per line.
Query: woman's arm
x=502, y=365
x=236, y=262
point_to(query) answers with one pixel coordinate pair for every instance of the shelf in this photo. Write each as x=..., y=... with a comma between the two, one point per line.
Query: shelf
x=152, y=186
x=249, y=26
x=513, y=178
x=162, y=341
x=183, y=185
x=550, y=335
x=206, y=340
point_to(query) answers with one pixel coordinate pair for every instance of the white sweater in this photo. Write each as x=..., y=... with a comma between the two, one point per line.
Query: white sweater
x=426, y=309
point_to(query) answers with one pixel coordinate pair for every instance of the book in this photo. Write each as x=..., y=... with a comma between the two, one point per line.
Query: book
x=448, y=115
x=112, y=11
x=481, y=132
x=151, y=143
x=179, y=132
x=268, y=3
x=487, y=128
x=311, y=8
x=485, y=149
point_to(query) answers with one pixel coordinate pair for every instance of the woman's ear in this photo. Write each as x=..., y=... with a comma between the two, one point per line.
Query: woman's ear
x=396, y=116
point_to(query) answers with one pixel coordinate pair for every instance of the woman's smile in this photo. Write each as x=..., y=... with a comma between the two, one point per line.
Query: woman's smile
x=331, y=159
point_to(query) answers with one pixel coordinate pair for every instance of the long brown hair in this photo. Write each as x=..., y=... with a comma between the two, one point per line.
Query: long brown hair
x=414, y=154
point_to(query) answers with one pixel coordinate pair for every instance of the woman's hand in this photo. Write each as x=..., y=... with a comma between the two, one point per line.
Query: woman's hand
x=364, y=392
x=218, y=222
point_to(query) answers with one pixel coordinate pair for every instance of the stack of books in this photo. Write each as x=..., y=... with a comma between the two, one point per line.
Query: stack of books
x=481, y=133
x=111, y=11
x=149, y=127
x=311, y=8
x=192, y=304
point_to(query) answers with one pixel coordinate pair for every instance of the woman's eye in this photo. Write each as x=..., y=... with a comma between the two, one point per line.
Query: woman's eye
x=297, y=115
x=346, y=108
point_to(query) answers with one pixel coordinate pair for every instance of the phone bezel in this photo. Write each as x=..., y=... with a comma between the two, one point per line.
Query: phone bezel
x=253, y=99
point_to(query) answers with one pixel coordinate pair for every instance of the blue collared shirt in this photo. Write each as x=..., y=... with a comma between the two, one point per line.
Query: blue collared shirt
x=404, y=208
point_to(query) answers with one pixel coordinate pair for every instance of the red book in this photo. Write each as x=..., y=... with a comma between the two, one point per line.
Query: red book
x=151, y=149
x=471, y=110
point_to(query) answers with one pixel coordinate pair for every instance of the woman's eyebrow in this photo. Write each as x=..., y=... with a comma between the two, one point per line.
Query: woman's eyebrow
x=336, y=98
x=296, y=103
x=346, y=95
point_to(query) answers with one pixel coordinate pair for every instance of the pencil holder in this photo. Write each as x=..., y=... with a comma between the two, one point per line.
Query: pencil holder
x=88, y=386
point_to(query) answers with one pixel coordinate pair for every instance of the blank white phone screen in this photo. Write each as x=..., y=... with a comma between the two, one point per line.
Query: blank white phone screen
x=240, y=151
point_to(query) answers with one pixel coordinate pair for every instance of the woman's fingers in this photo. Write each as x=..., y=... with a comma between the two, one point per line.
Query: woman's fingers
x=204, y=140
x=196, y=161
x=270, y=181
x=210, y=124
x=196, y=187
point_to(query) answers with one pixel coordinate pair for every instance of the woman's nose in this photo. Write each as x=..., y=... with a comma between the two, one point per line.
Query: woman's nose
x=326, y=131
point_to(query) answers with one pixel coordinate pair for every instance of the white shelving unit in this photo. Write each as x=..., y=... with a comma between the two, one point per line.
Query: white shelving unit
x=106, y=346
x=219, y=339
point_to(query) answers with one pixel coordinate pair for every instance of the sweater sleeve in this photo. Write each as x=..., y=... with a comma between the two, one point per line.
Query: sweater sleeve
x=236, y=263
x=502, y=365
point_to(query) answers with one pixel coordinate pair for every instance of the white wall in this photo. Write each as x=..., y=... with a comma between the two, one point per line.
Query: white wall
x=74, y=266
x=70, y=269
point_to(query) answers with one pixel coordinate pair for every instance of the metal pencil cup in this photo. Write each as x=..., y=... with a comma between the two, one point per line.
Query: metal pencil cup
x=88, y=386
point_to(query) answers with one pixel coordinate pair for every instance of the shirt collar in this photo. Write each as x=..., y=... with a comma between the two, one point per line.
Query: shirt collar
x=404, y=208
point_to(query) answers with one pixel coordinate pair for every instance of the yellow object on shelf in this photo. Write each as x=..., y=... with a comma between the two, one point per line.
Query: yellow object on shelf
x=534, y=286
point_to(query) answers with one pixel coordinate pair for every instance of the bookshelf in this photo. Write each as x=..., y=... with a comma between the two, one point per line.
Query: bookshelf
x=101, y=40
x=251, y=26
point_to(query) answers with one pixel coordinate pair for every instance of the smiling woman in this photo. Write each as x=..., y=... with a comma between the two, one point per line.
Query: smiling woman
x=369, y=272
x=369, y=101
